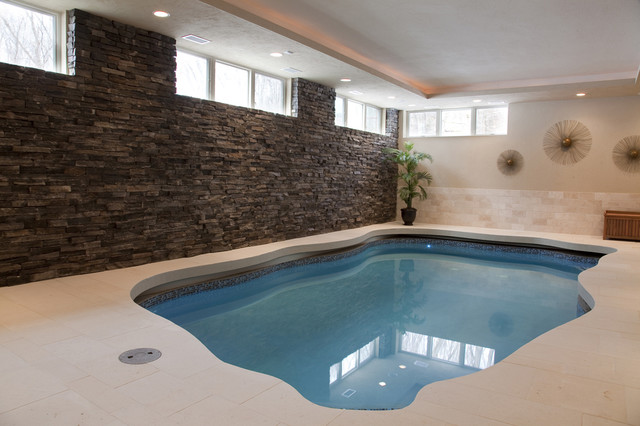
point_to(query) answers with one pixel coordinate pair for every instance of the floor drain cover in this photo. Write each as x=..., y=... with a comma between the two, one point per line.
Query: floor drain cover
x=140, y=356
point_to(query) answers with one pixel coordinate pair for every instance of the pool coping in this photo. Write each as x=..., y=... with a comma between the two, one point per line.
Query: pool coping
x=583, y=372
x=547, y=255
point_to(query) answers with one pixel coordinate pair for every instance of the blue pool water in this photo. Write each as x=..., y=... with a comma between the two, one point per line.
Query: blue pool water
x=369, y=328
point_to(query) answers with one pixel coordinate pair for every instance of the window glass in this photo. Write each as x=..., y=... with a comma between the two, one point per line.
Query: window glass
x=415, y=343
x=491, y=121
x=192, y=75
x=349, y=363
x=231, y=84
x=366, y=352
x=373, y=122
x=27, y=37
x=478, y=357
x=423, y=123
x=269, y=93
x=355, y=115
x=358, y=115
x=339, y=111
x=334, y=370
x=446, y=350
x=456, y=122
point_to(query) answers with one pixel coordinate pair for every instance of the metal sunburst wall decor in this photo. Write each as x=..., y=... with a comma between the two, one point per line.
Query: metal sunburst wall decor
x=626, y=154
x=567, y=142
x=510, y=162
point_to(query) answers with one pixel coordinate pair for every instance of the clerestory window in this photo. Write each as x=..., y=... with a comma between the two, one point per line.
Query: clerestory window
x=358, y=115
x=478, y=121
x=28, y=37
x=202, y=77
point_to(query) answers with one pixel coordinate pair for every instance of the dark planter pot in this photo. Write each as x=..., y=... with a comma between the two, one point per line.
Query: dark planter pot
x=408, y=216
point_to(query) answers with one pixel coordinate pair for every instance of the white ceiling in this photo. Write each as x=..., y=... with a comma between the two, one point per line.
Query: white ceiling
x=424, y=53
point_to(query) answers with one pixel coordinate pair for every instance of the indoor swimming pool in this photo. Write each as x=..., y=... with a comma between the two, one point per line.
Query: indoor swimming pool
x=367, y=328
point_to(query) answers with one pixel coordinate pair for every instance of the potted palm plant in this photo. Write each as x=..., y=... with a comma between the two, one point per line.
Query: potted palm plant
x=407, y=159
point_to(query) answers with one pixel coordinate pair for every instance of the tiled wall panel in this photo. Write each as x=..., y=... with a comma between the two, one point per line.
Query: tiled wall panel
x=544, y=211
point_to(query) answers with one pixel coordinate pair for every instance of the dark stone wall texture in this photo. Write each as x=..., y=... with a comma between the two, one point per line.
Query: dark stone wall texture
x=108, y=167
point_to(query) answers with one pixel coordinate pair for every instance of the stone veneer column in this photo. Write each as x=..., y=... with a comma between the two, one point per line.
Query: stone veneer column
x=313, y=102
x=392, y=117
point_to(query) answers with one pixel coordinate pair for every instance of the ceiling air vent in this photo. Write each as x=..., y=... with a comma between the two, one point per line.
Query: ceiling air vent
x=291, y=70
x=196, y=39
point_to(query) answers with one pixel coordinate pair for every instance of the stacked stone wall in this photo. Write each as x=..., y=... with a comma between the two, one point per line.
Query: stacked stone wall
x=107, y=167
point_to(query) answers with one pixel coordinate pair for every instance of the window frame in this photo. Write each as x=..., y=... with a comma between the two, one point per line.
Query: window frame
x=253, y=90
x=363, y=119
x=60, y=63
x=208, y=73
x=432, y=349
x=345, y=108
x=213, y=95
x=211, y=82
x=358, y=361
x=475, y=119
x=340, y=100
x=437, y=122
x=366, y=118
x=472, y=121
x=439, y=134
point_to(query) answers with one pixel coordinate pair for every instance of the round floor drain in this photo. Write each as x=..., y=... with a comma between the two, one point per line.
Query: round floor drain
x=140, y=356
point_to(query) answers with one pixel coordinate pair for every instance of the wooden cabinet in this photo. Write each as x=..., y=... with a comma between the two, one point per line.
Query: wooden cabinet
x=621, y=225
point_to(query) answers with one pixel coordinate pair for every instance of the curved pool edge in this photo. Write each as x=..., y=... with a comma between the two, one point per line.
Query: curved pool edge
x=67, y=334
x=474, y=248
x=253, y=257
x=562, y=358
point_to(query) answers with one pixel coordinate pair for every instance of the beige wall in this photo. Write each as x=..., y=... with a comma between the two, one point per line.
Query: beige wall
x=468, y=189
x=470, y=162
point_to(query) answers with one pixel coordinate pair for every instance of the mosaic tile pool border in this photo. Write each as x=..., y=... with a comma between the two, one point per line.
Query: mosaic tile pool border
x=444, y=246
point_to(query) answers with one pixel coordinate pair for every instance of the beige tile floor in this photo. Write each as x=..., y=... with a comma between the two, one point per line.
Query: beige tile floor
x=60, y=340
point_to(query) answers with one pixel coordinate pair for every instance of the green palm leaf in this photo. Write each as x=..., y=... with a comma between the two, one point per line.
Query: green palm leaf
x=408, y=160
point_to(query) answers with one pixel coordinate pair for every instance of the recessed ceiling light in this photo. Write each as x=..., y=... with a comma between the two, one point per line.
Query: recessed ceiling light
x=161, y=14
x=477, y=101
x=391, y=97
x=195, y=39
x=346, y=80
x=276, y=54
x=581, y=94
x=382, y=384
